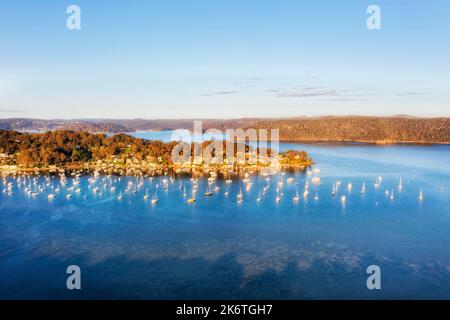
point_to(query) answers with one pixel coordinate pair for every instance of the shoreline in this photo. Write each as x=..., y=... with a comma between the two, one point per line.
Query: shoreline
x=86, y=169
x=374, y=143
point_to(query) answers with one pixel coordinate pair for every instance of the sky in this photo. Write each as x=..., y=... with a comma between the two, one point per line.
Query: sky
x=223, y=59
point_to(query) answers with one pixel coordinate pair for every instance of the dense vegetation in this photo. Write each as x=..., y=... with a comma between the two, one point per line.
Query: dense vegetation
x=63, y=147
x=363, y=129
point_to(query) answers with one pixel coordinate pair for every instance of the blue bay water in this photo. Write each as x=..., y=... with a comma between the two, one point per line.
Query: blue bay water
x=216, y=248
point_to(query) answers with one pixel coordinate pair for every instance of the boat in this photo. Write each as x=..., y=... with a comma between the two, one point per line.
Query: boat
x=146, y=196
x=363, y=189
x=392, y=194
x=334, y=191
x=51, y=196
x=119, y=197
x=154, y=199
x=420, y=195
x=192, y=198
x=240, y=197
x=315, y=180
x=208, y=192
x=343, y=199
x=228, y=181
x=349, y=186
x=400, y=185
x=259, y=198
x=296, y=197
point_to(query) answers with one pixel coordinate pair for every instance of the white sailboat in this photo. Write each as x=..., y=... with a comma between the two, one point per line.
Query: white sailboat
x=228, y=181
x=296, y=197
x=349, y=187
x=259, y=198
x=208, y=192
x=155, y=198
x=240, y=198
x=363, y=189
x=334, y=191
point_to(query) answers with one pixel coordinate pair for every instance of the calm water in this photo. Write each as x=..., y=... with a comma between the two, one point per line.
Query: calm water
x=217, y=248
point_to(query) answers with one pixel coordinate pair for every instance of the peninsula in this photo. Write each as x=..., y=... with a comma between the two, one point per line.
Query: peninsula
x=122, y=154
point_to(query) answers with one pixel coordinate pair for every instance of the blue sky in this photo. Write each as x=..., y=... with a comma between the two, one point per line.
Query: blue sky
x=223, y=59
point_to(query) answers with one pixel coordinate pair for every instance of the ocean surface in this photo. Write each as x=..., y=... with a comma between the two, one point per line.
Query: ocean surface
x=216, y=248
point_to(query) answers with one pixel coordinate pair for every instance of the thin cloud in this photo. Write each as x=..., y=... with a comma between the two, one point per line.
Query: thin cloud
x=305, y=92
x=324, y=93
x=10, y=111
x=219, y=93
x=410, y=93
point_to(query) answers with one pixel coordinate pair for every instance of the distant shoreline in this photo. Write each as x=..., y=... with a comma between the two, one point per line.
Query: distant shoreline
x=330, y=129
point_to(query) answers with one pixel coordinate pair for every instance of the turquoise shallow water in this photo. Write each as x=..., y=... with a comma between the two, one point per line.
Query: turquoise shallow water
x=217, y=248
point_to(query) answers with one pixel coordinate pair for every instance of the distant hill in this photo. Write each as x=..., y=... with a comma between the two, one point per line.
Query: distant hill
x=363, y=129
x=394, y=129
x=19, y=124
